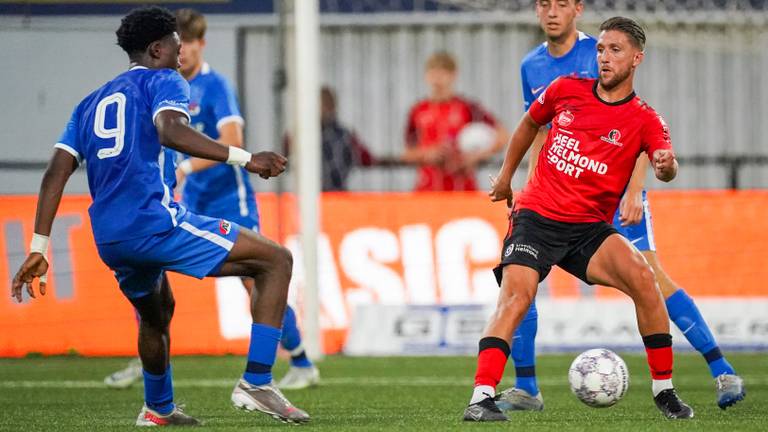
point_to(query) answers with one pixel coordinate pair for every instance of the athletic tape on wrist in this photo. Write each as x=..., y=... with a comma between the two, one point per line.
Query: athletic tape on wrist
x=185, y=166
x=238, y=156
x=39, y=244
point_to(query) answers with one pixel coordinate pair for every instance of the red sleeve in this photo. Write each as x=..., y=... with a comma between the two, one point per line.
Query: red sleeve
x=479, y=114
x=655, y=135
x=542, y=110
x=411, y=134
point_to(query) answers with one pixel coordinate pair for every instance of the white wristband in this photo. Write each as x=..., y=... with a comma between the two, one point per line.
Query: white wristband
x=185, y=166
x=238, y=156
x=39, y=244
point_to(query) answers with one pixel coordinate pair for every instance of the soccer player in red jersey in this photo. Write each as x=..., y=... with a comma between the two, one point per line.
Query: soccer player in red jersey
x=433, y=126
x=599, y=128
x=567, y=52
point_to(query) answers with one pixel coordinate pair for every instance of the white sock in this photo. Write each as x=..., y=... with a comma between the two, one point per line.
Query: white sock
x=481, y=392
x=660, y=385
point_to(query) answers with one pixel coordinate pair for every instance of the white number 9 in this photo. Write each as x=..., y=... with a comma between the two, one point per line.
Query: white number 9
x=118, y=132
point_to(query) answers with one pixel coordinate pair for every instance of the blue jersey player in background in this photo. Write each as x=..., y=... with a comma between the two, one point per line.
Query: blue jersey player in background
x=219, y=190
x=568, y=51
x=122, y=132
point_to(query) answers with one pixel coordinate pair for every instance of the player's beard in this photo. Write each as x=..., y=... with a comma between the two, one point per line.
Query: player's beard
x=618, y=78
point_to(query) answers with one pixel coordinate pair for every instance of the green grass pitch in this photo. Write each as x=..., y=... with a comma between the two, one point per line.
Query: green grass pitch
x=415, y=393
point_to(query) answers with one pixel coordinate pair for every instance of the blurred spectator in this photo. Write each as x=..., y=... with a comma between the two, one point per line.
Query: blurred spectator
x=341, y=149
x=433, y=128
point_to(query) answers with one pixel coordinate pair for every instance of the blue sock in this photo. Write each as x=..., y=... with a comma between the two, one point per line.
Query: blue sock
x=291, y=340
x=686, y=316
x=158, y=391
x=524, y=352
x=261, y=354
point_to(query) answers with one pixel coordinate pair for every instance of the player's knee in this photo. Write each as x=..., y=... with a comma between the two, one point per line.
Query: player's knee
x=645, y=277
x=518, y=302
x=157, y=322
x=644, y=283
x=284, y=260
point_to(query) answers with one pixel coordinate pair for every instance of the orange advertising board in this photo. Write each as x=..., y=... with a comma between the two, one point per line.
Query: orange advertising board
x=375, y=248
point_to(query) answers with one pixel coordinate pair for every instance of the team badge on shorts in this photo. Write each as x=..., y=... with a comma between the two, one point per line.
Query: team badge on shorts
x=225, y=227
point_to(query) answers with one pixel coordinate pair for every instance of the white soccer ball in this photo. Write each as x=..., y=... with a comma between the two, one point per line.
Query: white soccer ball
x=476, y=136
x=599, y=378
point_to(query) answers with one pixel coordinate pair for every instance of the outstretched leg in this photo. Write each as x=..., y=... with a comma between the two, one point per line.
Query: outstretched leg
x=270, y=266
x=518, y=288
x=616, y=263
x=686, y=316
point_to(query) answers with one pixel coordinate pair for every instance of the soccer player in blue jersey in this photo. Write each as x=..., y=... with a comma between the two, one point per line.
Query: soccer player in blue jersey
x=568, y=51
x=219, y=190
x=122, y=130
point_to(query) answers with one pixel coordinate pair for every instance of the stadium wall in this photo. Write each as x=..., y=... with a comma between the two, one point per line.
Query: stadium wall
x=706, y=75
x=402, y=270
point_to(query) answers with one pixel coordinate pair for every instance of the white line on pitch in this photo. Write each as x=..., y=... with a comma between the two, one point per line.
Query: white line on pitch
x=346, y=381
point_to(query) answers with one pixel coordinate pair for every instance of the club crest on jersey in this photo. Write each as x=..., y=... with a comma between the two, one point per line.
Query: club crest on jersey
x=565, y=118
x=225, y=227
x=613, y=138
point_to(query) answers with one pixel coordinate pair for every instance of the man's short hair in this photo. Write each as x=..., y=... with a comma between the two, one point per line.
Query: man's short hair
x=629, y=27
x=143, y=26
x=192, y=25
x=442, y=60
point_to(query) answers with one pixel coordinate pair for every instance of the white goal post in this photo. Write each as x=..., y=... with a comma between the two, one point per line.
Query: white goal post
x=307, y=121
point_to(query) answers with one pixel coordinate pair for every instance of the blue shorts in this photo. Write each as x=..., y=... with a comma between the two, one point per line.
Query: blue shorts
x=197, y=246
x=641, y=234
x=250, y=220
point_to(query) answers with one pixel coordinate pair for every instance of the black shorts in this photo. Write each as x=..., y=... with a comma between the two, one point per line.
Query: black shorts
x=539, y=243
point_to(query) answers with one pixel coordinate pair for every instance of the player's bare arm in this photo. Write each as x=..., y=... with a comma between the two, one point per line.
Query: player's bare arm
x=60, y=168
x=665, y=165
x=522, y=138
x=174, y=132
x=631, y=206
x=230, y=134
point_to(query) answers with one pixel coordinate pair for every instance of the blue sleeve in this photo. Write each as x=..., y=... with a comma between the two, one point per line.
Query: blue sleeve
x=224, y=103
x=593, y=69
x=527, y=93
x=68, y=141
x=589, y=55
x=168, y=91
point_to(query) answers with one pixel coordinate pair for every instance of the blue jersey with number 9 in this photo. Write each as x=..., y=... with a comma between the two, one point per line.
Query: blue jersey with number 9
x=113, y=131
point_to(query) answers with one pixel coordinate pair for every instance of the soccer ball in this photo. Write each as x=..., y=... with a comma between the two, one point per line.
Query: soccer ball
x=476, y=136
x=599, y=378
